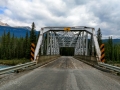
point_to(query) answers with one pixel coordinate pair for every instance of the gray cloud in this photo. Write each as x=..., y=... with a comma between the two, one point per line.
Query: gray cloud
x=108, y=14
x=94, y=13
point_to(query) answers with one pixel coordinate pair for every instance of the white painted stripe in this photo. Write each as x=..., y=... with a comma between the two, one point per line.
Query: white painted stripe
x=73, y=63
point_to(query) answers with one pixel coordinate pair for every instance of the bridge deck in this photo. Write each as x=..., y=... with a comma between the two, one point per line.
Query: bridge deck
x=66, y=73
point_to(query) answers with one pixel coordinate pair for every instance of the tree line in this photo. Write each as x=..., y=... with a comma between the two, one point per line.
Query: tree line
x=112, y=50
x=12, y=47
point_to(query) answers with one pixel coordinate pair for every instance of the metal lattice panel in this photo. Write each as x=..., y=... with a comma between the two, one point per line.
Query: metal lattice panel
x=76, y=37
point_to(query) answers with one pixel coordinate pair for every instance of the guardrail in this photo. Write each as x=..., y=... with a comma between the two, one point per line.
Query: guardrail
x=115, y=68
x=17, y=67
x=108, y=66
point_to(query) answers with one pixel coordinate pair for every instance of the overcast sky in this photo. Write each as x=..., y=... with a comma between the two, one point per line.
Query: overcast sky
x=104, y=14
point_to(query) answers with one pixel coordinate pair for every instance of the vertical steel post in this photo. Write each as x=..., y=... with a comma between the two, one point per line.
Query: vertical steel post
x=55, y=46
x=48, y=43
x=92, y=43
x=80, y=43
x=83, y=43
x=38, y=44
x=42, y=45
x=86, y=53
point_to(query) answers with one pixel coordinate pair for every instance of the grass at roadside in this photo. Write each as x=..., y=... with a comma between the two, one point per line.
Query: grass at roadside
x=14, y=61
x=42, y=59
x=115, y=63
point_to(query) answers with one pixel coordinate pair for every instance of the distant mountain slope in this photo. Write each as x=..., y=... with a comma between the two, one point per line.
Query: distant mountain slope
x=115, y=41
x=3, y=24
x=17, y=31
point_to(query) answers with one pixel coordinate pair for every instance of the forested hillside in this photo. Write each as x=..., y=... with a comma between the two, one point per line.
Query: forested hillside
x=115, y=41
x=12, y=47
x=17, y=31
x=112, y=48
x=112, y=51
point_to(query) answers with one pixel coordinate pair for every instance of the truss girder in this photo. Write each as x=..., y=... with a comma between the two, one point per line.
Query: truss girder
x=77, y=37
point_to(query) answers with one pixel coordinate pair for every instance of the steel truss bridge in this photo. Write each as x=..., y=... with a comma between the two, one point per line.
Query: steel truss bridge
x=83, y=39
x=64, y=73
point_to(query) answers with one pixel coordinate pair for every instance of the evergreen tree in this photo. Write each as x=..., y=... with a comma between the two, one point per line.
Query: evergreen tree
x=25, y=44
x=33, y=34
x=28, y=49
x=3, y=46
x=99, y=36
x=8, y=39
x=12, y=46
x=0, y=50
x=110, y=50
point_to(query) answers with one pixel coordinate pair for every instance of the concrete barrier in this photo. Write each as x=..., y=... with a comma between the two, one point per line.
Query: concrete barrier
x=47, y=58
x=90, y=59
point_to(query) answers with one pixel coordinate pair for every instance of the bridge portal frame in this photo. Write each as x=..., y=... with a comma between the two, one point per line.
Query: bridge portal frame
x=82, y=37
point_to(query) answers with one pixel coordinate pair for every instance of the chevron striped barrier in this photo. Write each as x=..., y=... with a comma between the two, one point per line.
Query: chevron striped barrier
x=32, y=51
x=102, y=48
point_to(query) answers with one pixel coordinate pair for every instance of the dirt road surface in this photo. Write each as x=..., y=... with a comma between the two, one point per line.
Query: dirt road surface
x=66, y=73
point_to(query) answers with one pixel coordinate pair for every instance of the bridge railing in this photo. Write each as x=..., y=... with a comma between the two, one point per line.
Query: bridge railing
x=111, y=67
x=17, y=67
x=42, y=60
x=91, y=60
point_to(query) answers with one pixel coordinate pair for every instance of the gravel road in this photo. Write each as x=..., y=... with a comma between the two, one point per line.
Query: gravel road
x=66, y=73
